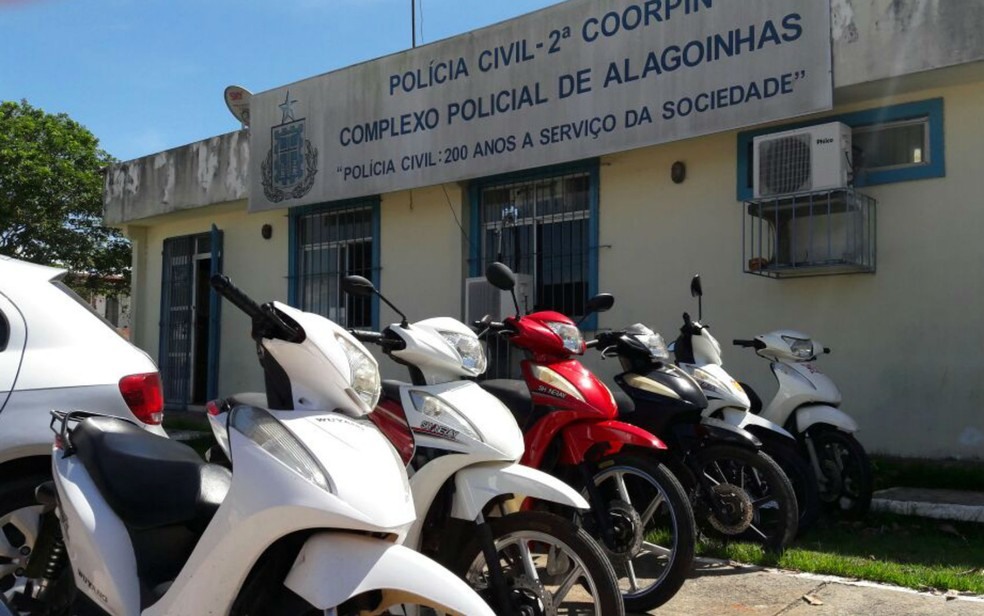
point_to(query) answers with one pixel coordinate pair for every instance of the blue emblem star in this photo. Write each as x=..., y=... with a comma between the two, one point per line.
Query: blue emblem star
x=286, y=108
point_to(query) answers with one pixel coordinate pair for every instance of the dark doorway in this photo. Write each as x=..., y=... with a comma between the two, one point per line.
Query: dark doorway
x=189, y=324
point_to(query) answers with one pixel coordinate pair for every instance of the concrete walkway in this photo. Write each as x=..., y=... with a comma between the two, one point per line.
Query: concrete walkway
x=723, y=589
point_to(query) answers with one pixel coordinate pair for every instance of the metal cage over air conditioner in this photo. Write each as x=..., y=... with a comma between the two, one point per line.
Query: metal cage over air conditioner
x=810, y=234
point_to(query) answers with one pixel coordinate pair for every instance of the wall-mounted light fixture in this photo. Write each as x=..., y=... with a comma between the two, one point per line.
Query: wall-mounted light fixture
x=678, y=172
x=266, y=231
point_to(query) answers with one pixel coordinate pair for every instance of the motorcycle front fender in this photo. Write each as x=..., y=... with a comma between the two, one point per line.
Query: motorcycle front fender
x=611, y=435
x=813, y=414
x=477, y=485
x=710, y=429
x=334, y=567
x=752, y=422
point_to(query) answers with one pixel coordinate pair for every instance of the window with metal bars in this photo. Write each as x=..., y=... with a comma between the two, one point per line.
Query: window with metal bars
x=329, y=242
x=541, y=225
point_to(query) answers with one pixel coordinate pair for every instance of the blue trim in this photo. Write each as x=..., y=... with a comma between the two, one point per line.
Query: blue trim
x=297, y=212
x=591, y=167
x=932, y=109
x=594, y=248
x=475, y=228
x=215, y=317
x=377, y=270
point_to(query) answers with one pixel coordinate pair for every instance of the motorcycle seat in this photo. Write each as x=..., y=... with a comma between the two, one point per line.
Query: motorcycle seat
x=514, y=394
x=149, y=481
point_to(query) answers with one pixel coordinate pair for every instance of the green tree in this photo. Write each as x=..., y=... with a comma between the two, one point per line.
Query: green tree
x=51, y=199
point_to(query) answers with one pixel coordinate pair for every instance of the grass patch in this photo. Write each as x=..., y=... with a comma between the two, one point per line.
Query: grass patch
x=914, y=473
x=916, y=553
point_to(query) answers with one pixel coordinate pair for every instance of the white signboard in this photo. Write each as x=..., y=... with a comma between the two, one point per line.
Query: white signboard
x=581, y=79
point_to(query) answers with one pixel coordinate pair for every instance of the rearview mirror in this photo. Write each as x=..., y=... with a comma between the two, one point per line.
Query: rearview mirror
x=600, y=303
x=357, y=286
x=500, y=276
x=695, y=288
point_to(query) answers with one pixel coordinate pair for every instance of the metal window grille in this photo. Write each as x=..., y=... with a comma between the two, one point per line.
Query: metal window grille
x=331, y=244
x=176, y=320
x=810, y=234
x=538, y=227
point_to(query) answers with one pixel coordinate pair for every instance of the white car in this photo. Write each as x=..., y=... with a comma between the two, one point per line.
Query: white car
x=55, y=353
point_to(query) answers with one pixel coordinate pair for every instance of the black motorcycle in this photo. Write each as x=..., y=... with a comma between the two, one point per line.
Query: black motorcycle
x=737, y=491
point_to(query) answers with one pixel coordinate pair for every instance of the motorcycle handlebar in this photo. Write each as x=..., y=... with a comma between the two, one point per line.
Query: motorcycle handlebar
x=391, y=344
x=265, y=318
x=755, y=344
x=224, y=287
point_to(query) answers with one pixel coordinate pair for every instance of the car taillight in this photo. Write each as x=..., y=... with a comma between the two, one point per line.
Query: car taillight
x=144, y=395
x=212, y=408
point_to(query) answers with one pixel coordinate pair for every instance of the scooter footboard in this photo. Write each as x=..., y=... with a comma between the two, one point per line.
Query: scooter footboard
x=477, y=485
x=334, y=567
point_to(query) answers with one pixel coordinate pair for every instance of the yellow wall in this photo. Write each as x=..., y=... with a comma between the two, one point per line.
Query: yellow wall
x=907, y=341
x=257, y=266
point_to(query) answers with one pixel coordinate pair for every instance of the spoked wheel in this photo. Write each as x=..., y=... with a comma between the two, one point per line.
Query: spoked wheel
x=653, y=527
x=797, y=468
x=846, y=481
x=750, y=498
x=551, y=567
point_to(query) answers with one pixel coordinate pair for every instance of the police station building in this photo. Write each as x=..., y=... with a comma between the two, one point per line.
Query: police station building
x=817, y=162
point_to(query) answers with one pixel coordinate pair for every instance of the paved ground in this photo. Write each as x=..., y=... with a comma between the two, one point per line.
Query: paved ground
x=722, y=589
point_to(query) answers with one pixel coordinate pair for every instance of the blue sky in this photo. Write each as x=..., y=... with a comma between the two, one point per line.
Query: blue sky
x=148, y=75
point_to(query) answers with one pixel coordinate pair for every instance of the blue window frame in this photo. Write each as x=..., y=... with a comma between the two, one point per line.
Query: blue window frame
x=926, y=114
x=328, y=242
x=544, y=223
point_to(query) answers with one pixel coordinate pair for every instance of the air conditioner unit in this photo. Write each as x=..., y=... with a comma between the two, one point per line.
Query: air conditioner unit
x=802, y=160
x=481, y=298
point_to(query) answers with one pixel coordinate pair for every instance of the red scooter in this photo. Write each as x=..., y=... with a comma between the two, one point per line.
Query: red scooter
x=639, y=511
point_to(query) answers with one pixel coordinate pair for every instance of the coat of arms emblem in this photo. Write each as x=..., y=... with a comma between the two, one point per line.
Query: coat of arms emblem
x=292, y=162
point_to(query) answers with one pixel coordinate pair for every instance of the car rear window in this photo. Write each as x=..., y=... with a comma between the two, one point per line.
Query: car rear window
x=69, y=292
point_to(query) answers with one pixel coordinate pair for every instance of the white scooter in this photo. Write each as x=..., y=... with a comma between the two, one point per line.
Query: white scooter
x=310, y=521
x=698, y=353
x=806, y=403
x=467, y=484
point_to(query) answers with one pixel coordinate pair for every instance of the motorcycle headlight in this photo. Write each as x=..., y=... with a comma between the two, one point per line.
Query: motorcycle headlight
x=469, y=349
x=654, y=342
x=569, y=334
x=364, y=373
x=263, y=429
x=439, y=410
x=802, y=349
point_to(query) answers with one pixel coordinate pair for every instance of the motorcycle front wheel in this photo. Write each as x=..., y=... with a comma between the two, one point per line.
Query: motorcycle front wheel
x=550, y=565
x=745, y=496
x=798, y=469
x=653, y=527
x=846, y=481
